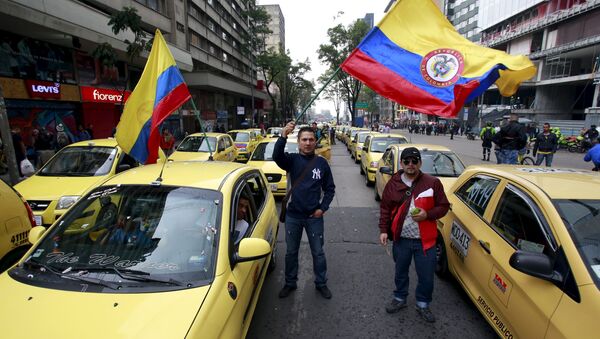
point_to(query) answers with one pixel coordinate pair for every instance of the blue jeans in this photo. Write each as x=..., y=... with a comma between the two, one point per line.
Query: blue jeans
x=293, y=235
x=404, y=251
x=509, y=156
x=540, y=158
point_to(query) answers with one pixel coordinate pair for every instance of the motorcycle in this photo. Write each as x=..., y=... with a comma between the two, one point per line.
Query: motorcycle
x=470, y=136
x=580, y=146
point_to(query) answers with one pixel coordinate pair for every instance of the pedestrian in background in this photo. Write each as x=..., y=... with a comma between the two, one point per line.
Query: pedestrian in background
x=545, y=146
x=511, y=138
x=311, y=178
x=487, y=135
x=411, y=203
x=19, y=147
x=593, y=155
x=167, y=141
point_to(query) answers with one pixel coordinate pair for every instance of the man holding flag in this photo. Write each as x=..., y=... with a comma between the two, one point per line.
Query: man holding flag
x=160, y=91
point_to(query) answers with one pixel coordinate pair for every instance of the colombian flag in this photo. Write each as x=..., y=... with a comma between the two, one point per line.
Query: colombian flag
x=415, y=57
x=160, y=91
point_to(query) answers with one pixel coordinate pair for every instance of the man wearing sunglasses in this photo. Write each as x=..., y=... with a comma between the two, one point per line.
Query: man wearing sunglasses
x=411, y=203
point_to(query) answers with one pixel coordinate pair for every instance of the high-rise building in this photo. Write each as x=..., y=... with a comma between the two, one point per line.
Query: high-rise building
x=52, y=77
x=562, y=39
x=463, y=14
x=369, y=19
x=277, y=26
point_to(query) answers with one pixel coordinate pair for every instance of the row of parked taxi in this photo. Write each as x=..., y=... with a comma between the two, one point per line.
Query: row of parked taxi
x=523, y=242
x=121, y=242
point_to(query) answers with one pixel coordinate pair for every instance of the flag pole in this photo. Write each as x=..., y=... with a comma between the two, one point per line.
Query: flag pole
x=197, y=114
x=317, y=95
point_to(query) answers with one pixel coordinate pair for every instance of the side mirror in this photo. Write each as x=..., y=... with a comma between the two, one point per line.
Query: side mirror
x=123, y=167
x=36, y=233
x=386, y=170
x=251, y=249
x=536, y=265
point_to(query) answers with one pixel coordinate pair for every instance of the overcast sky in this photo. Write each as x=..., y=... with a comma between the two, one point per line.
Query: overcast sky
x=306, y=24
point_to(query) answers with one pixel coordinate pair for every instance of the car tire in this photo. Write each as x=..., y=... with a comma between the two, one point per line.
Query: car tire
x=367, y=182
x=12, y=257
x=361, y=170
x=441, y=265
x=377, y=197
x=356, y=161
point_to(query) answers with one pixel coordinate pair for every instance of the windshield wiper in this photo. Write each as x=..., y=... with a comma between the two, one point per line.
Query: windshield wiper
x=130, y=274
x=76, y=276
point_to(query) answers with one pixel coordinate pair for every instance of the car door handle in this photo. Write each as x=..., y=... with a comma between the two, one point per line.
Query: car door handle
x=486, y=246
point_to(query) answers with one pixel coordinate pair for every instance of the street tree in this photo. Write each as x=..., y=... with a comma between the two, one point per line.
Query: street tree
x=294, y=88
x=273, y=65
x=342, y=41
x=333, y=92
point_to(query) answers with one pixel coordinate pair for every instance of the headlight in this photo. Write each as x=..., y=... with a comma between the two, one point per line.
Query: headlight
x=374, y=164
x=66, y=201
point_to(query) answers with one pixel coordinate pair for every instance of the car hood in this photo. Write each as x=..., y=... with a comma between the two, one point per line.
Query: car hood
x=35, y=312
x=52, y=188
x=447, y=183
x=189, y=156
x=268, y=166
x=375, y=156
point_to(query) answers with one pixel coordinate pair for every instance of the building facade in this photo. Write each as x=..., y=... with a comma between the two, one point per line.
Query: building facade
x=562, y=38
x=464, y=14
x=276, y=39
x=49, y=76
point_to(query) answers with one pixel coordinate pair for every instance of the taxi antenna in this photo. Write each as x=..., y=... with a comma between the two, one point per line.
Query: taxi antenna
x=197, y=114
x=159, y=180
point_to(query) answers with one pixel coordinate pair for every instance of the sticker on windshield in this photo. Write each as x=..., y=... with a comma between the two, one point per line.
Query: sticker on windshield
x=103, y=193
x=38, y=252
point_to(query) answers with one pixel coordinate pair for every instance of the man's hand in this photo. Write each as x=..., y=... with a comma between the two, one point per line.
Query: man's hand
x=383, y=237
x=422, y=215
x=318, y=213
x=289, y=128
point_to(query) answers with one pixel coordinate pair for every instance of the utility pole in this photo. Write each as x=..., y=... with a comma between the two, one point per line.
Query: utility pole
x=8, y=148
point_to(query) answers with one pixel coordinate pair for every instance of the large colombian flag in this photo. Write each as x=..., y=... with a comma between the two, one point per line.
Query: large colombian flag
x=415, y=56
x=160, y=91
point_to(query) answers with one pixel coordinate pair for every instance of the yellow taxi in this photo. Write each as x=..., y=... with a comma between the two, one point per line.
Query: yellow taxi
x=16, y=219
x=351, y=135
x=524, y=244
x=183, y=256
x=198, y=147
x=70, y=173
x=372, y=150
x=273, y=132
x=257, y=133
x=357, y=144
x=262, y=158
x=245, y=141
x=437, y=160
x=324, y=148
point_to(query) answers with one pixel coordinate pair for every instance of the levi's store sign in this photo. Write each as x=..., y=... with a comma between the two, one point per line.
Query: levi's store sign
x=43, y=89
x=107, y=95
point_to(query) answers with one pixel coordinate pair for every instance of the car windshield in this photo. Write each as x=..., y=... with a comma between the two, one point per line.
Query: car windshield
x=240, y=136
x=274, y=130
x=81, y=161
x=379, y=145
x=582, y=218
x=362, y=137
x=264, y=150
x=156, y=231
x=197, y=144
x=441, y=164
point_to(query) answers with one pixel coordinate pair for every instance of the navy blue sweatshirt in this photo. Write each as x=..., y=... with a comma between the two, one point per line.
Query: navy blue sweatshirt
x=306, y=196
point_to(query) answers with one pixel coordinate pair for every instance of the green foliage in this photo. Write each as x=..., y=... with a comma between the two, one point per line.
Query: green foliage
x=106, y=54
x=342, y=41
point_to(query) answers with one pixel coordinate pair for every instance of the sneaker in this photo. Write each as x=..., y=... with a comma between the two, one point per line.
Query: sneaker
x=426, y=314
x=395, y=305
x=286, y=290
x=325, y=292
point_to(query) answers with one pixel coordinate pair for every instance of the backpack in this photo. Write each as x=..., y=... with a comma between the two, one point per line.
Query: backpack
x=487, y=134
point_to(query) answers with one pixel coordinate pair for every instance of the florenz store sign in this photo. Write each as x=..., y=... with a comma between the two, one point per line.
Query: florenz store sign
x=93, y=94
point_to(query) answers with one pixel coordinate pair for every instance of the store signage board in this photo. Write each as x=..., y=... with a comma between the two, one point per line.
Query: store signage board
x=106, y=95
x=43, y=89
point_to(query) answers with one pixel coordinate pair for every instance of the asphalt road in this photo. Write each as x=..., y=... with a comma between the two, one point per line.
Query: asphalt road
x=361, y=277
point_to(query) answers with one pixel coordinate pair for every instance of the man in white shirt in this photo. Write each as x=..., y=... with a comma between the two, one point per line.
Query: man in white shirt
x=241, y=225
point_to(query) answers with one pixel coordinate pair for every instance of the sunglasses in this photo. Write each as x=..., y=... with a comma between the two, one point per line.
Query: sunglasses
x=410, y=160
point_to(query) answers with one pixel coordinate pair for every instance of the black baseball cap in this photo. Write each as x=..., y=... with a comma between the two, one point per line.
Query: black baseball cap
x=410, y=152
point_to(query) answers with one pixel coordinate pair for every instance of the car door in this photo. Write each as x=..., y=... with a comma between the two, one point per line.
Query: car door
x=221, y=153
x=246, y=274
x=527, y=303
x=381, y=179
x=364, y=158
x=230, y=148
x=466, y=235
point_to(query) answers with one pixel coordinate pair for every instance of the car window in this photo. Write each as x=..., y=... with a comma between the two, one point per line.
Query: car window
x=362, y=137
x=379, y=145
x=126, y=159
x=386, y=158
x=476, y=193
x=81, y=161
x=221, y=144
x=228, y=142
x=258, y=191
x=164, y=231
x=197, y=144
x=518, y=223
x=441, y=164
x=240, y=136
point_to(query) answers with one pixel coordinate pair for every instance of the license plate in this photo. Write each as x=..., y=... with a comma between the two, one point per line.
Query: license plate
x=273, y=187
x=38, y=220
x=460, y=239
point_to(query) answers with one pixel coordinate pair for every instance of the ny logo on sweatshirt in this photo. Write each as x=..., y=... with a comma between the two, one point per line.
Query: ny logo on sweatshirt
x=316, y=174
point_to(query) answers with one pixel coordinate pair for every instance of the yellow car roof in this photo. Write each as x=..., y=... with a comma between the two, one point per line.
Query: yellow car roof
x=199, y=174
x=422, y=147
x=557, y=183
x=208, y=134
x=389, y=135
x=108, y=142
x=239, y=131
